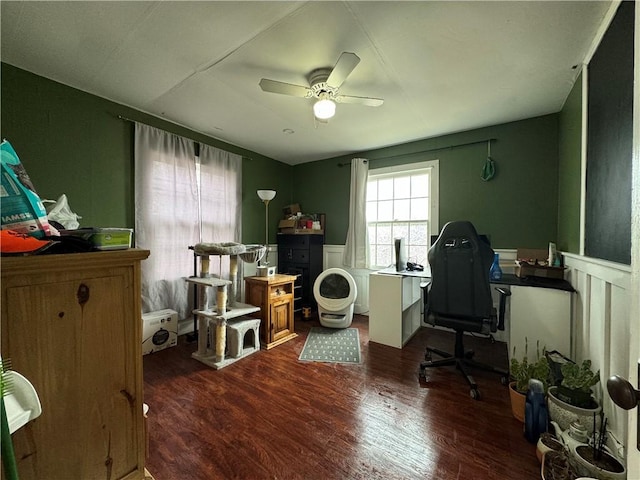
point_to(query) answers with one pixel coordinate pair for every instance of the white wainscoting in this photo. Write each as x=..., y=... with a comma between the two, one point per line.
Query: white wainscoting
x=600, y=324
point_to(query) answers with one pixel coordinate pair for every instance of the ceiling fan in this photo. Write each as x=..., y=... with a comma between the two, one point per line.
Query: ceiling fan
x=324, y=84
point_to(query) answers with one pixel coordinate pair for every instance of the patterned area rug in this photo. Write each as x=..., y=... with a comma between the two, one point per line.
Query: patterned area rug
x=338, y=345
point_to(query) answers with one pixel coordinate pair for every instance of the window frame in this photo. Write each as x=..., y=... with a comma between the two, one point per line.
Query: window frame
x=432, y=167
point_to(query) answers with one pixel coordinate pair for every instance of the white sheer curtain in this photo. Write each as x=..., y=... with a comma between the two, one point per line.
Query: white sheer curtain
x=221, y=202
x=166, y=216
x=356, y=249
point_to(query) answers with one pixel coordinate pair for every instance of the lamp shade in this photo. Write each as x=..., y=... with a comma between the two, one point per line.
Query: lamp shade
x=324, y=108
x=266, y=195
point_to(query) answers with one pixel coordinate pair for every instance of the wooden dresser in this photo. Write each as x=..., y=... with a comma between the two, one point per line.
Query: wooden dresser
x=71, y=324
x=274, y=296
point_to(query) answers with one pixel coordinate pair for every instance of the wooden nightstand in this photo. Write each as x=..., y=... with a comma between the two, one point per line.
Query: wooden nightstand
x=274, y=296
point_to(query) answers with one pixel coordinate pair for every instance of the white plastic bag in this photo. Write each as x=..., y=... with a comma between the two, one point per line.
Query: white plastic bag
x=61, y=212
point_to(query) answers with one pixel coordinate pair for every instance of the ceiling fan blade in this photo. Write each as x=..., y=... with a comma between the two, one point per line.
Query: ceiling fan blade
x=369, y=102
x=285, y=88
x=344, y=66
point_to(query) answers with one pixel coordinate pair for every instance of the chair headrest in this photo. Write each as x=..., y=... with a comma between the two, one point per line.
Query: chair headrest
x=458, y=234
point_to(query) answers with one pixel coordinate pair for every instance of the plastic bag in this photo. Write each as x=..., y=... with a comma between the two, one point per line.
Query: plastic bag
x=22, y=209
x=61, y=213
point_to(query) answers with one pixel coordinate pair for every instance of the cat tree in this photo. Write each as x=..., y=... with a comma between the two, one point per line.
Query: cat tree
x=223, y=319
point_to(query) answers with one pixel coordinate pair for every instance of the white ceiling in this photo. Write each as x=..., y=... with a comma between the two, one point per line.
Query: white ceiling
x=441, y=67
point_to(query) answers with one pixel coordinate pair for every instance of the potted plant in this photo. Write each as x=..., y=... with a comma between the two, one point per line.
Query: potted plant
x=521, y=371
x=576, y=384
x=599, y=464
x=597, y=460
x=556, y=465
x=572, y=400
x=547, y=443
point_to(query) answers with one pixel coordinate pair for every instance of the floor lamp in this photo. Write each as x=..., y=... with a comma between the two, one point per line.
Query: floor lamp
x=266, y=196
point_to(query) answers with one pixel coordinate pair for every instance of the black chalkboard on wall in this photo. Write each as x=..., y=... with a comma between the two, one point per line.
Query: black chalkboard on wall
x=609, y=142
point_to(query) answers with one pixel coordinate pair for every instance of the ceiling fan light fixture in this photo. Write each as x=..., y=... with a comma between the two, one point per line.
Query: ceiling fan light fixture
x=324, y=108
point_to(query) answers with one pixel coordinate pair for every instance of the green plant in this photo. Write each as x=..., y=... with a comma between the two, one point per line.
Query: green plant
x=577, y=381
x=579, y=377
x=523, y=370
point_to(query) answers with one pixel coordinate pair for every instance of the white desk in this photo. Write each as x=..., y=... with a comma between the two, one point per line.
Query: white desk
x=389, y=289
x=538, y=310
x=539, y=315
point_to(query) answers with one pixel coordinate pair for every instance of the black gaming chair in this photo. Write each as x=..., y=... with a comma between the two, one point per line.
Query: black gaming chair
x=459, y=296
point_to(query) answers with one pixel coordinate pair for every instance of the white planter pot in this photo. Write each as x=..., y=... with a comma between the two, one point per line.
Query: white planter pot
x=564, y=414
x=586, y=468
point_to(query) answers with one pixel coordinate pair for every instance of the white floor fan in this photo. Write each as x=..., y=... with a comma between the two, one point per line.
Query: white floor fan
x=19, y=404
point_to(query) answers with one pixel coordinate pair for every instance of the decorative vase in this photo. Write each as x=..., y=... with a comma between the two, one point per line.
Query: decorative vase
x=518, y=401
x=565, y=414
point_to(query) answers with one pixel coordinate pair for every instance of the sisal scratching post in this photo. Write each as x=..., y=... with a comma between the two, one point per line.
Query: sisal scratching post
x=221, y=338
x=202, y=321
x=221, y=324
x=233, y=276
x=204, y=266
x=221, y=300
x=221, y=327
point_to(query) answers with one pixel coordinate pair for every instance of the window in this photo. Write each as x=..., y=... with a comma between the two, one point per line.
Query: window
x=402, y=201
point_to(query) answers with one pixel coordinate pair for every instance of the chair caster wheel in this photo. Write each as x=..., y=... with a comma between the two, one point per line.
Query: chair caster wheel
x=475, y=394
x=428, y=357
x=469, y=354
x=421, y=373
x=504, y=380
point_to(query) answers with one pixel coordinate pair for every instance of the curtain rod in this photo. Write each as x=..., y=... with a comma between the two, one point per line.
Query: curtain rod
x=489, y=140
x=126, y=119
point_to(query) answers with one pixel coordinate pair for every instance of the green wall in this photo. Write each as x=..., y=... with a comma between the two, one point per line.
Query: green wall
x=73, y=142
x=517, y=208
x=569, y=172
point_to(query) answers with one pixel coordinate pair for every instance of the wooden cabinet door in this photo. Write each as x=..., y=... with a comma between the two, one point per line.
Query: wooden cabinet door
x=72, y=340
x=281, y=318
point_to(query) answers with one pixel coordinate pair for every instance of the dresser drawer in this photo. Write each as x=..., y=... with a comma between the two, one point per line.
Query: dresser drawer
x=292, y=255
x=294, y=241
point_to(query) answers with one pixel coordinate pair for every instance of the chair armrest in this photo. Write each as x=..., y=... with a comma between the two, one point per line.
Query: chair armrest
x=425, y=290
x=504, y=293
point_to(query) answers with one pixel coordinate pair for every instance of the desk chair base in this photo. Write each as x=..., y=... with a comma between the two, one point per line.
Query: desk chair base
x=461, y=359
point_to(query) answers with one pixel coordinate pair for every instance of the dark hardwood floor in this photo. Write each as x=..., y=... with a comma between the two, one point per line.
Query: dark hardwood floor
x=270, y=416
